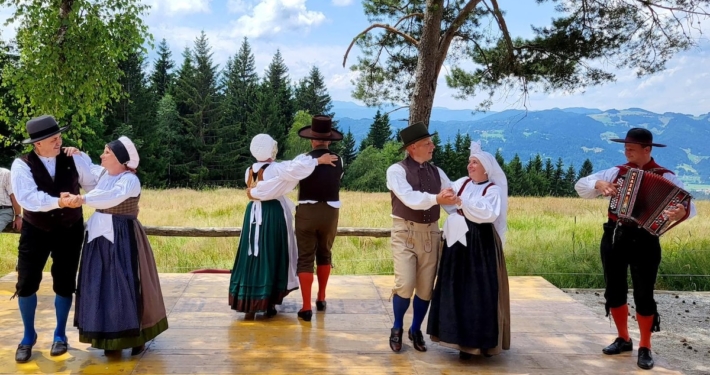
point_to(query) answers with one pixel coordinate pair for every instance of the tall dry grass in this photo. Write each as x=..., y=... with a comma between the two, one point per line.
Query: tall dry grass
x=557, y=238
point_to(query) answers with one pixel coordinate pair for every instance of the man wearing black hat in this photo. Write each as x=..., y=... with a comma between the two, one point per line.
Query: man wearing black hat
x=417, y=188
x=626, y=246
x=317, y=214
x=52, y=225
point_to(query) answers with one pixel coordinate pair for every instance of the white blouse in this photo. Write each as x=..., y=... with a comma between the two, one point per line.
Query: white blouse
x=109, y=191
x=476, y=207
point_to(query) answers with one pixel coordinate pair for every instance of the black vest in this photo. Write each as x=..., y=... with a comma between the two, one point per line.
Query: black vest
x=423, y=177
x=323, y=185
x=66, y=179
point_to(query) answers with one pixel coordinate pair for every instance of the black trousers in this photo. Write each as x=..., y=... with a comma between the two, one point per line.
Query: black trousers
x=625, y=247
x=36, y=245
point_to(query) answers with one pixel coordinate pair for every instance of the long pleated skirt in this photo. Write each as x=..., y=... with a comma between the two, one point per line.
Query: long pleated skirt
x=119, y=303
x=470, y=307
x=260, y=280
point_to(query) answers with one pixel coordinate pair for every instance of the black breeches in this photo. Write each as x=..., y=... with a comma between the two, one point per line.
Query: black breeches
x=628, y=247
x=36, y=245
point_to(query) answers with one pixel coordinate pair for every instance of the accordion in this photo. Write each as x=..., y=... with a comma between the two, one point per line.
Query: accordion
x=642, y=196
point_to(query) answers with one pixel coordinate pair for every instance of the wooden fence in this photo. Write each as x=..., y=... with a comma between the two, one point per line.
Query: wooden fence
x=236, y=232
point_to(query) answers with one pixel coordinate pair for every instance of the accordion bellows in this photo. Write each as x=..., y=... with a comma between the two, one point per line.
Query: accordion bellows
x=643, y=196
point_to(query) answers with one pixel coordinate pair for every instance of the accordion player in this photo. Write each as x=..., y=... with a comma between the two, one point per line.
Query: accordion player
x=644, y=197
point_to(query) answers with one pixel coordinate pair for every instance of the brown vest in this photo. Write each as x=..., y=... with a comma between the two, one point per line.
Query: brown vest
x=323, y=185
x=66, y=179
x=423, y=177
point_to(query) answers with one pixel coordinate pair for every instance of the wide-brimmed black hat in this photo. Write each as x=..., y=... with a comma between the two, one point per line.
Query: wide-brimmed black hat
x=413, y=133
x=321, y=128
x=42, y=127
x=639, y=136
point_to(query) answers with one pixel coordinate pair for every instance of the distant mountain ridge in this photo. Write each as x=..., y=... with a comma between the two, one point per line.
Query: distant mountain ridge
x=571, y=133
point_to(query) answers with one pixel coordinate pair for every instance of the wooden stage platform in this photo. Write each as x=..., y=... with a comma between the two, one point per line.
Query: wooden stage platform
x=551, y=334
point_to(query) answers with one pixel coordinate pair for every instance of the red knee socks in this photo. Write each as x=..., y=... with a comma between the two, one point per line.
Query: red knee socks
x=645, y=324
x=621, y=317
x=323, y=274
x=306, y=280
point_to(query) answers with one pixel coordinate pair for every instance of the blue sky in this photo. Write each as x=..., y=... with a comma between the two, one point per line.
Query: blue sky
x=317, y=32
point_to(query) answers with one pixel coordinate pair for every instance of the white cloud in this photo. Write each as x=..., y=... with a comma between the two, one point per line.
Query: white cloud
x=173, y=7
x=271, y=17
x=240, y=6
x=342, y=3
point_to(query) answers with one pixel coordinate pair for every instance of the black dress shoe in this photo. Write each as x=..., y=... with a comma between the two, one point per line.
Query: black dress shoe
x=113, y=352
x=271, y=312
x=58, y=348
x=321, y=305
x=138, y=350
x=619, y=345
x=465, y=356
x=305, y=315
x=396, y=339
x=645, y=361
x=417, y=339
x=23, y=353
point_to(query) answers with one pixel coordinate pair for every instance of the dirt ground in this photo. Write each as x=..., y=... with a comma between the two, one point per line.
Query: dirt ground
x=684, y=339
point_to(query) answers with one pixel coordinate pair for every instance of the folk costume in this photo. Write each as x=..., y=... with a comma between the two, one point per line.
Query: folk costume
x=470, y=308
x=47, y=229
x=415, y=236
x=317, y=215
x=624, y=246
x=264, y=269
x=119, y=303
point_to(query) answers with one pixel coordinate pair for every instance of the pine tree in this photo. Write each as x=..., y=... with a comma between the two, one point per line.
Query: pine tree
x=569, y=181
x=277, y=88
x=349, y=152
x=557, y=185
x=515, y=176
x=186, y=150
x=379, y=134
x=436, y=158
x=311, y=94
x=586, y=169
x=162, y=77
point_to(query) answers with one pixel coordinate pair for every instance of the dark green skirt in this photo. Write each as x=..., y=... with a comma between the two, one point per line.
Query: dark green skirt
x=260, y=281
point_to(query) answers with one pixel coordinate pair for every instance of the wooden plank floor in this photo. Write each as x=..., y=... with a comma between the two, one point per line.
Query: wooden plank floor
x=551, y=334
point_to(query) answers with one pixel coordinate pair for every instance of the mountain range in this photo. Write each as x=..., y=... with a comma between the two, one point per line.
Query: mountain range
x=574, y=134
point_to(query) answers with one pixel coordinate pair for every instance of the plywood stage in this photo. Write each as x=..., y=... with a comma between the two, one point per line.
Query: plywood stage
x=551, y=334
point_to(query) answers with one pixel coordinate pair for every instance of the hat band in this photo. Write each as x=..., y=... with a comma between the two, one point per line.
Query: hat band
x=639, y=141
x=120, y=151
x=44, y=132
x=319, y=134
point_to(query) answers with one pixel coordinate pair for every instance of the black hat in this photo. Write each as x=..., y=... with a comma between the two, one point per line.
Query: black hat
x=321, y=128
x=638, y=136
x=413, y=133
x=42, y=127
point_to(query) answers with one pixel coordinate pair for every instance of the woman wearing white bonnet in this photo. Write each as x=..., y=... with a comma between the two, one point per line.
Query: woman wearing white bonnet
x=119, y=303
x=470, y=307
x=264, y=269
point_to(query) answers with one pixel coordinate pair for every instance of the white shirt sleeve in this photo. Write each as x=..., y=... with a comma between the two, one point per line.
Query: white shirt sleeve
x=26, y=191
x=125, y=187
x=397, y=183
x=89, y=172
x=7, y=184
x=482, y=209
x=286, y=174
x=585, y=185
x=446, y=183
x=674, y=179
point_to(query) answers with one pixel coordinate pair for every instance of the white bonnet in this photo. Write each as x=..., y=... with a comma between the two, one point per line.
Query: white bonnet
x=263, y=147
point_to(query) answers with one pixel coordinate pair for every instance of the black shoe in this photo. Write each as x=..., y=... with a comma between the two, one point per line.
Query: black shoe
x=619, y=345
x=113, y=352
x=23, y=353
x=271, y=312
x=249, y=316
x=417, y=340
x=465, y=356
x=645, y=361
x=138, y=350
x=305, y=315
x=321, y=305
x=396, y=339
x=58, y=348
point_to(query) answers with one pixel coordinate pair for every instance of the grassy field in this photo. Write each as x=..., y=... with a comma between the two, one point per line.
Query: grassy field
x=557, y=238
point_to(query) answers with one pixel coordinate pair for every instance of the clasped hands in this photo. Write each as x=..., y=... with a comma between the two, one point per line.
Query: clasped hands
x=70, y=200
x=447, y=197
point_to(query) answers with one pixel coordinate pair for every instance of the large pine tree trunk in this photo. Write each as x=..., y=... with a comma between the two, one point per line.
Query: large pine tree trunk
x=427, y=65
